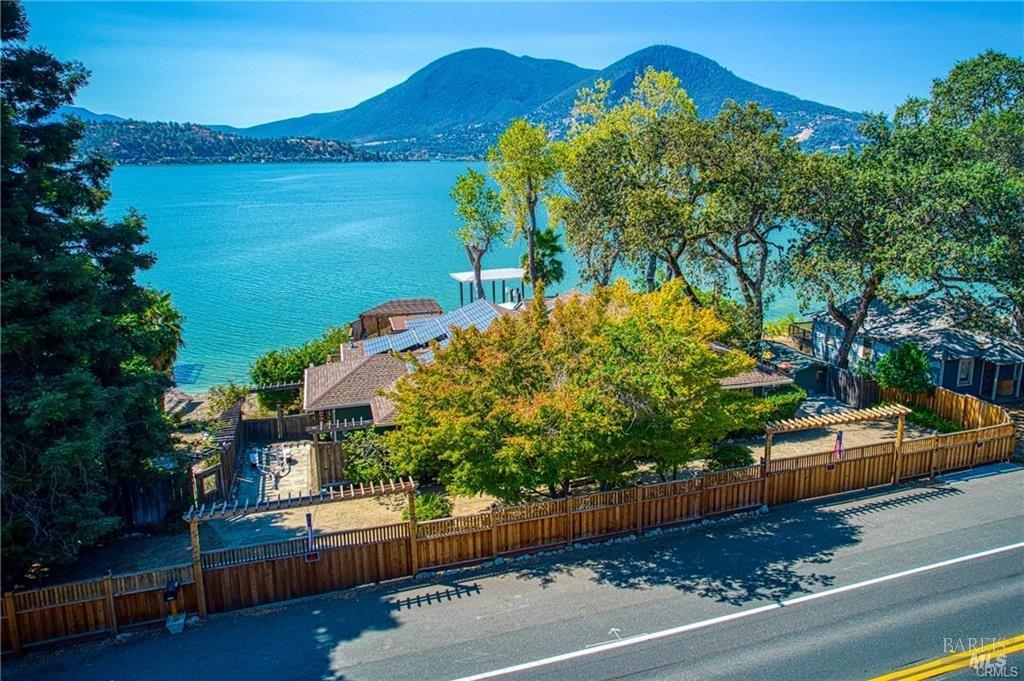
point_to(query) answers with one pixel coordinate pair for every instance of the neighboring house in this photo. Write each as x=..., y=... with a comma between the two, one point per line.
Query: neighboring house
x=963, y=360
x=808, y=372
x=392, y=316
x=760, y=380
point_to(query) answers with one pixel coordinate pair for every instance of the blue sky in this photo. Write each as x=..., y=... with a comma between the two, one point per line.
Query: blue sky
x=247, y=63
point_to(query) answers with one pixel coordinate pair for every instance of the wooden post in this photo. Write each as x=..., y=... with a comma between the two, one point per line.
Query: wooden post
x=568, y=520
x=900, y=424
x=280, y=424
x=494, y=535
x=108, y=591
x=414, y=557
x=934, y=455
x=703, y=498
x=638, y=503
x=197, y=566
x=764, y=467
x=12, y=623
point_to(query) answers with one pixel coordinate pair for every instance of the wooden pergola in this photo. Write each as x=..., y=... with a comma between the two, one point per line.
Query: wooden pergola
x=329, y=494
x=897, y=411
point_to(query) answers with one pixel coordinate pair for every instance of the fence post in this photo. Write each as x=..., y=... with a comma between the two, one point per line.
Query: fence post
x=494, y=535
x=197, y=566
x=12, y=623
x=900, y=423
x=414, y=557
x=108, y=591
x=764, y=468
x=702, y=500
x=934, y=455
x=568, y=520
x=638, y=510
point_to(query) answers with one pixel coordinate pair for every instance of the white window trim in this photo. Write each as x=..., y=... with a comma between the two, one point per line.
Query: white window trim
x=970, y=374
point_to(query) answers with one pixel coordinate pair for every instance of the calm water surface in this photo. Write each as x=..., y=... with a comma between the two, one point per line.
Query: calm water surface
x=259, y=256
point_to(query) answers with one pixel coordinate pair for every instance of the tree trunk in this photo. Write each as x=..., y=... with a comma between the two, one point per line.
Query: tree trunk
x=476, y=258
x=652, y=268
x=851, y=325
x=531, y=231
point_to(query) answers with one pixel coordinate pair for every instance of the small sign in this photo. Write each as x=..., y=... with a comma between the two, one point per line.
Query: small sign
x=312, y=557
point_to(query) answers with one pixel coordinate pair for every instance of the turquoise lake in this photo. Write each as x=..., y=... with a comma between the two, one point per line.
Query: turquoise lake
x=259, y=256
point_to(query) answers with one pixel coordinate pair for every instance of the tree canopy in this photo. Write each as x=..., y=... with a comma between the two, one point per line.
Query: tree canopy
x=601, y=386
x=479, y=207
x=84, y=346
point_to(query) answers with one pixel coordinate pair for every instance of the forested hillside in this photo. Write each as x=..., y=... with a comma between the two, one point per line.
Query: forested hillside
x=138, y=142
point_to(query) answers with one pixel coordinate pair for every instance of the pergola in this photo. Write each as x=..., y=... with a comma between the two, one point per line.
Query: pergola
x=329, y=494
x=501, y=274
x=772, y=428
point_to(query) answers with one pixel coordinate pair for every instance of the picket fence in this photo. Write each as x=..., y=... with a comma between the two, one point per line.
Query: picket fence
x=264, y=573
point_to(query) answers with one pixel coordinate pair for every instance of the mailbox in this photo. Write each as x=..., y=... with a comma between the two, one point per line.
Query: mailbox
x=171, y=590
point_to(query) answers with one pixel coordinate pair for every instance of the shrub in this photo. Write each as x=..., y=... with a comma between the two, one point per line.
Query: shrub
x=288, y=364
x=784, y=403
x=223, y=397
x=430, y=506
x=779, y=327
x=929, y=419
x=368, y=458
x=905, y=368
x=729, y=456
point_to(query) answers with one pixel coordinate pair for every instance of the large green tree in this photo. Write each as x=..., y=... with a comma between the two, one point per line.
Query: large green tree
x=524, y=162
x=288, y=365
x=629, y=204
x=81, y=398
x=480, y=207
x=931, y=203
x=603, y=385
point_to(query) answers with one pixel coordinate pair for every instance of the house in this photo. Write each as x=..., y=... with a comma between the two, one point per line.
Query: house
x=963, y=359
x=808, y=372
x=392, y=316
x=760, y=380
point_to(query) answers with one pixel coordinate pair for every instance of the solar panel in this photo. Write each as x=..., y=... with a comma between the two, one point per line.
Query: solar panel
x=478, y=314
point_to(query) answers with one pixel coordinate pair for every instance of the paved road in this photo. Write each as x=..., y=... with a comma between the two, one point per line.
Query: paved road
x=480, y=621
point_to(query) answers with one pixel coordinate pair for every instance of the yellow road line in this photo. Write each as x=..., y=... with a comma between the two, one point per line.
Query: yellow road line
x=943, y=665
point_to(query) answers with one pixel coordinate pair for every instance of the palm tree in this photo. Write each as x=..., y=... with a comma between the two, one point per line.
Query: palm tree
x=546, y=252
x=163, y=323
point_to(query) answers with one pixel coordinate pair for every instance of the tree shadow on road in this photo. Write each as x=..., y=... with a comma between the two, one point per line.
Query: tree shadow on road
x=771, y=558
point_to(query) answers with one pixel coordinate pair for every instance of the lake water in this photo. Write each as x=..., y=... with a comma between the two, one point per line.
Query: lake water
x=259, y=256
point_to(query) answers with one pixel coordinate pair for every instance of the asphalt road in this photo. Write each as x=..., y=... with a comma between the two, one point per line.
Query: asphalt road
x=475, y=622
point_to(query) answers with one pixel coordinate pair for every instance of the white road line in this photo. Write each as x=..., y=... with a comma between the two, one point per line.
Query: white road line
x=612, y=645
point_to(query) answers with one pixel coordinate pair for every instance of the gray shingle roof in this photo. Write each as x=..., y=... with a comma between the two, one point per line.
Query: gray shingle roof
x=354, y=381
x=935, y=325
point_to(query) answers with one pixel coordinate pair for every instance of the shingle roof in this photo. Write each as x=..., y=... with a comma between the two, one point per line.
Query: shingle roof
x=354, y=381
x=404, y=306
x=936, y=326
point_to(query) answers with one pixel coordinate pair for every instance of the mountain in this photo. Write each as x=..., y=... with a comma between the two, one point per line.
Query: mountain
x=464, y=89
x=141, y=142
x=709, y=85
x=84, y=114
x=456, y=106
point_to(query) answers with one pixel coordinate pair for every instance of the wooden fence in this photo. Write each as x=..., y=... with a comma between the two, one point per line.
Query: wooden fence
x=264, y=573
x=327, y=463
x=267, y=430
x=857, y=391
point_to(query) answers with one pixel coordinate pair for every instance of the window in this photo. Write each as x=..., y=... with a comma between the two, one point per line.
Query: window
x=867, y=350
x=965, y=372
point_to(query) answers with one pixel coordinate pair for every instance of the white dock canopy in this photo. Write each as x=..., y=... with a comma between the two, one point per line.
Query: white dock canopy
x=502, y=274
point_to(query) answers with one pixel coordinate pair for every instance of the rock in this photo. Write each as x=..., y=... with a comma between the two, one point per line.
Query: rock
x=124, y=636
x=192, y=621
x=500, y=560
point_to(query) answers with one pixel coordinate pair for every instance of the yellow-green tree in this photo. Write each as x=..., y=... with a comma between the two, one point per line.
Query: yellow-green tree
x=524, y=162
x=596, y=389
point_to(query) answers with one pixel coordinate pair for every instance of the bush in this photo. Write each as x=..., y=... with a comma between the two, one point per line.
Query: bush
x=929, y=419
x=430, y=506
x=367, y=458
x=729, y=456
x=288, y=364
x=784, y=403
x=223, y=397
x=905, y=368
x=779, y=327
